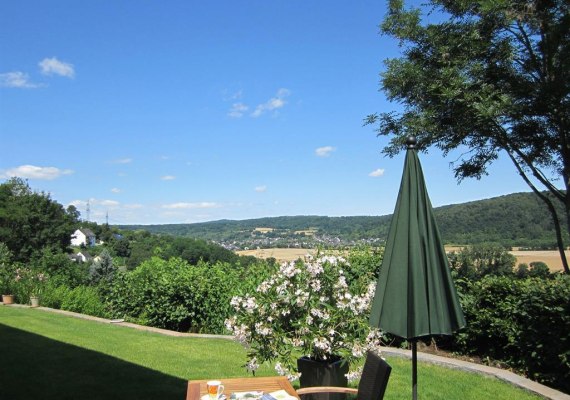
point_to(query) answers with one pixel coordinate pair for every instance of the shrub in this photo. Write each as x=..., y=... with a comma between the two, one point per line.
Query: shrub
x=304, y=308
x=175, y=295
x=54, y=294
x=522, y=322
x=81, y=299
x=84, y=300
x=473, y=262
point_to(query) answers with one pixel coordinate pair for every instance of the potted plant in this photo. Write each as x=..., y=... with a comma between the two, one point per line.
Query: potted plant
x=6, y=282
x=37, y=285
x=32, y=284
x=308, y=320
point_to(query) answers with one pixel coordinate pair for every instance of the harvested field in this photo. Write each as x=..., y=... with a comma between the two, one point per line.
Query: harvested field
x=550, y=257
x=278, y=254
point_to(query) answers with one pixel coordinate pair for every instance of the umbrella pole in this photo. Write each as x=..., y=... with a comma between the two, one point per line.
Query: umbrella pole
x=415, y=370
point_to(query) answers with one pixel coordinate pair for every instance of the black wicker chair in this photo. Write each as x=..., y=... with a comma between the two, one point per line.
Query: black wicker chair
x=373, y=381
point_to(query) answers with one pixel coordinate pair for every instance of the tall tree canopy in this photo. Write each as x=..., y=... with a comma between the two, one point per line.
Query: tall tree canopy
x=31, y=222
x=491, y=76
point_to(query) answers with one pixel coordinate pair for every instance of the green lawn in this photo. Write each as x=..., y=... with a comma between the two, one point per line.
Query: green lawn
x=51, y=356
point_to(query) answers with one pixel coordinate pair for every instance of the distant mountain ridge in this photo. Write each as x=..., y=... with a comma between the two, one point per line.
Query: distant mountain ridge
x=518, y=219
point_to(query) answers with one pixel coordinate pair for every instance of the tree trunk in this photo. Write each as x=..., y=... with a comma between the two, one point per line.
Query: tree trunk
x=553, y=213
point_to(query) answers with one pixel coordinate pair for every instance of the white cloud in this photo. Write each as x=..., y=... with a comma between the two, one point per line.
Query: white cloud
x=237, y=110
x=122, y=161
x=376, y=173
x=116, y=190
x=33, y=172
x=260, y=189
x=273, y=103
x=109, y=203
x=52, y=66
x=203, y=204
x=134, y=206
x=324, y=151
x=17, y=79
x=168, y=178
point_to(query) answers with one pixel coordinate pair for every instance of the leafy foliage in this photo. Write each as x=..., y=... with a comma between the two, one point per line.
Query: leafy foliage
x=102, y=271
x=142, y=246
x=81, y=299
x=173, y=294
x=31, y=221
x=61, y=270
x=522, y=322
x=474, y=262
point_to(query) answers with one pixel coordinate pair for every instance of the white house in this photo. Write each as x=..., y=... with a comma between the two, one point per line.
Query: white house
x=81, y=256
x=83, y=237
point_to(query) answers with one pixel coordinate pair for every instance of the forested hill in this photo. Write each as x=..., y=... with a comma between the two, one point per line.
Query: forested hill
x=518, y=219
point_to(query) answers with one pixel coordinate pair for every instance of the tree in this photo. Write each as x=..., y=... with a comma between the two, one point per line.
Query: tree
x=491, y=78
x=102, y=271
x=32, y=221
x=474, y=262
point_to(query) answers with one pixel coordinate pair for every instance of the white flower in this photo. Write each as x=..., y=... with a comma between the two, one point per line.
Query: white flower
x=354, y=375
x=252, y=364
x=341, y=283
x=249, y=304
x=316, y=285
x=281, y=370
x=264, y=287
x=314, y=269
x=262, y=329
x=357, y=350
x=322, y=344
x=289, y=269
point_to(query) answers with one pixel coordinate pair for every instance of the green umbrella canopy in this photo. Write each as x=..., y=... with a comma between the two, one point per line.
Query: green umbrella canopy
x=415, y=296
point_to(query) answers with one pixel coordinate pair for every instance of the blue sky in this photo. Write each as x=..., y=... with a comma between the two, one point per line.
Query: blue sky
x=188, y=111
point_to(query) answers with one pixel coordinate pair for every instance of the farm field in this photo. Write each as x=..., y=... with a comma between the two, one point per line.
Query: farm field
x=550, y=257
x=279, y=254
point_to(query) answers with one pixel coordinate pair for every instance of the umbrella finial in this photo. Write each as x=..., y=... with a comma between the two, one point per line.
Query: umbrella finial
x=411, y=142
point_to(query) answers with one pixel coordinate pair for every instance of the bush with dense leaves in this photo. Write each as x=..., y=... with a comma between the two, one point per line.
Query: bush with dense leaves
x=522, y=322
x=81, y=299
x=175, y=295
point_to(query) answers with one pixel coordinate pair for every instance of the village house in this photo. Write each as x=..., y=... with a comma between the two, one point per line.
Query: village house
x=81, y=256
x=83, y=237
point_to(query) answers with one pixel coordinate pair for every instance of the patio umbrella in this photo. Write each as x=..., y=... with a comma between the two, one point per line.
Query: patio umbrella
x=415, y=296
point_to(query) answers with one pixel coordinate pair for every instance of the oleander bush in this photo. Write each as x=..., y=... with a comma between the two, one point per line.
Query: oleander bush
x=524, y=323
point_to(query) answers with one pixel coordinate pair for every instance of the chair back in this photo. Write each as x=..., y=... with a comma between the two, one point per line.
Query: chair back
x=374, y=379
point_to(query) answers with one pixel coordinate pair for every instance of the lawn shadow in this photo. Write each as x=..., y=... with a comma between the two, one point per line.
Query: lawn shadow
x=35, y=367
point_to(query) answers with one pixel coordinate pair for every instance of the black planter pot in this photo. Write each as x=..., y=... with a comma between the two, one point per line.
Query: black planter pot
x=323, y=373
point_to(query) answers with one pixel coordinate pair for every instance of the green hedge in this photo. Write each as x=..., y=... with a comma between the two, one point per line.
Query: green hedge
x=175, y=295
x=522, y=322
x=81, y=299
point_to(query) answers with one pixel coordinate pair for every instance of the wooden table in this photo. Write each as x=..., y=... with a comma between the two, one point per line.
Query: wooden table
x=196, y=389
